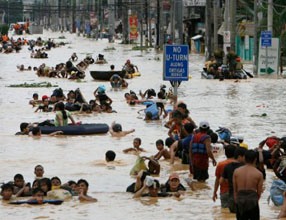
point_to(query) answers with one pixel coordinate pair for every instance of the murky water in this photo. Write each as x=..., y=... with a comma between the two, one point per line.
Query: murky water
x=236, y=105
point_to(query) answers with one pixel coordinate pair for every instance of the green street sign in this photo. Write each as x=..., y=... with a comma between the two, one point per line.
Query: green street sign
x=269, y=70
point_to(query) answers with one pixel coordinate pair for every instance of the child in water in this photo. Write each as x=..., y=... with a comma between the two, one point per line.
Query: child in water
x=83, y=188
x=20, y=187
x=7, y=191
x=136, y=147
x=161, y=151
x=56, y=183
x=116, y=130
x=110, y=156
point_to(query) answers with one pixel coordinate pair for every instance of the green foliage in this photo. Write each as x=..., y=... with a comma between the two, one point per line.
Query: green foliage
x=279, y=17
x=13, y=10
x=4, y=29
x=140, y=48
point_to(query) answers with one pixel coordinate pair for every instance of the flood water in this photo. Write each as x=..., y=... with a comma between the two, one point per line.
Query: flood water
x=236, y=105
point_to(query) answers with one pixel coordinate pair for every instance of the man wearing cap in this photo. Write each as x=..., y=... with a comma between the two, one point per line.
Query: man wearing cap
x=241, y=142
x=200, y=152
x=173, y=184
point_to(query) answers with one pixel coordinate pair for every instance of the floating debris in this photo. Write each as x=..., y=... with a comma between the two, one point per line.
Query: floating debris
x=29, y=85
x=109, y=48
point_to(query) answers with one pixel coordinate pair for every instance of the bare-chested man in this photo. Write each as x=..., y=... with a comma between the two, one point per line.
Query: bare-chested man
x=247, y=185
x=227, y=175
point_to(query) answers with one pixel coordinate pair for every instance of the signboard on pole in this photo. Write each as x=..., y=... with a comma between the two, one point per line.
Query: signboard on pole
x=266, y=38
x=268, y=58
x=226, y=37
x=176, y=63
x=133, y=24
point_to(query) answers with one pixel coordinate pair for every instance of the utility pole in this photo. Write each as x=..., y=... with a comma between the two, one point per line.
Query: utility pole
x=208, y=41
x=158, y=25
x=270, y=16
x=49, y=15
x=226, y=28
x=111, y=20
x=146, y=22
x=255, y=46
x=150, y=29
x=8, y=17
x=232, y=18
x=125, y=4
x=179, y=17
x=59, y=15
x=141, y=25
x=73, y=16
x=172, y=21
x=215, y=10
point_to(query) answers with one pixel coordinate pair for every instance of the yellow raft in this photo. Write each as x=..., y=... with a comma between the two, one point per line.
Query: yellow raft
x=132, y=75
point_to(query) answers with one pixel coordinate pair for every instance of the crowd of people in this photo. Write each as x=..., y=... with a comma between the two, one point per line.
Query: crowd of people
x=191, y=143
x=238, y=178
x=43, y=187
x=9, y=45
x=232, y=69
x=67, y=69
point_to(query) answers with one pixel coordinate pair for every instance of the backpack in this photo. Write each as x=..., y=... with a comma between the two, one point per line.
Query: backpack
x=276, y=192
x=224, y=134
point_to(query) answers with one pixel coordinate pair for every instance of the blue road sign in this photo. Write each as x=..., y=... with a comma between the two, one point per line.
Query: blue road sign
x=176, y=63
x=266, y=38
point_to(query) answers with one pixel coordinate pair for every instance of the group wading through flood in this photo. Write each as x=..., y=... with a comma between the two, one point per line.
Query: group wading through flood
x=88, y=175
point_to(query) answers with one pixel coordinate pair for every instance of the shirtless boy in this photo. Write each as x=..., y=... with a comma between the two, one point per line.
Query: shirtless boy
x=162, y=152
x=136, y=147
x=116, y=130
x=247, y=185
x=83, y=188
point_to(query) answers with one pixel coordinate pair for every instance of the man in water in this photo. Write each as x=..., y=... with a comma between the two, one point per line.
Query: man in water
x=224, y=192
x=200, y=152
x=129, y=67
x=25, y=129
x=247, y=185
x=227, y=175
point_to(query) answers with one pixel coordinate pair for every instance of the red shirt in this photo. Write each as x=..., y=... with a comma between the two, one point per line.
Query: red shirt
x=218, y=173
x=271, y=141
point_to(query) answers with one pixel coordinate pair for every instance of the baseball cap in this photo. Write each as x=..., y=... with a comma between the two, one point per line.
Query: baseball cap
x=240, y=137
x=44, y=97
x=234, y=140
x=204, y=124
x=174, y=176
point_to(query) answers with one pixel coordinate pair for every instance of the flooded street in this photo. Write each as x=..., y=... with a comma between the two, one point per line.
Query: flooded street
x=235, y=105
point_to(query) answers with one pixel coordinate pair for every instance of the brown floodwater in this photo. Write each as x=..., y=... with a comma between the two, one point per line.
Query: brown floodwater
x=236, y=105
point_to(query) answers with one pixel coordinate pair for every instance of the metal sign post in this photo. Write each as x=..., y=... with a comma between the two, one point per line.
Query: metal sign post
x=266, y=41
x=271, y=59
x=176, y=65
